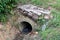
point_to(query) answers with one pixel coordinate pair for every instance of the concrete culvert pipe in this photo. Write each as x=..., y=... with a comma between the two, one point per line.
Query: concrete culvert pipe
x=26, y=27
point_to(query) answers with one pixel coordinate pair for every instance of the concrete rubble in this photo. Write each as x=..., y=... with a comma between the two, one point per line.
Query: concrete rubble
x=33, y=11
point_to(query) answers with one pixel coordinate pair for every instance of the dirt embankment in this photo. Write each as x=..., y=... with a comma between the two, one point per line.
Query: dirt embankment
x=7, y=32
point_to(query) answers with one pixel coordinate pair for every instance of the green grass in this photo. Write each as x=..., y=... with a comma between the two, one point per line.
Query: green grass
x=51, y=34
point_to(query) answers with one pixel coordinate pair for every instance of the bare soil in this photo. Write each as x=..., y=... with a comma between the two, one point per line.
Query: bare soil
x=7, y=32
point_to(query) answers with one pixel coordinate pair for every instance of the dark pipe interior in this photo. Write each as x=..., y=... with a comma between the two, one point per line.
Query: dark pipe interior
x=27, y=28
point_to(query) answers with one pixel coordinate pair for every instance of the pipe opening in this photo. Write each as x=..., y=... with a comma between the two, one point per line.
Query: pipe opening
x=27, y=28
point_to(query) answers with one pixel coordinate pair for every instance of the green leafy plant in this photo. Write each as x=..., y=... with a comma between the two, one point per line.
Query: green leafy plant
x=5, y=7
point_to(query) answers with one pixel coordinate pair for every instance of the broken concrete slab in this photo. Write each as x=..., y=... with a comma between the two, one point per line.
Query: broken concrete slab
x=33, y=11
